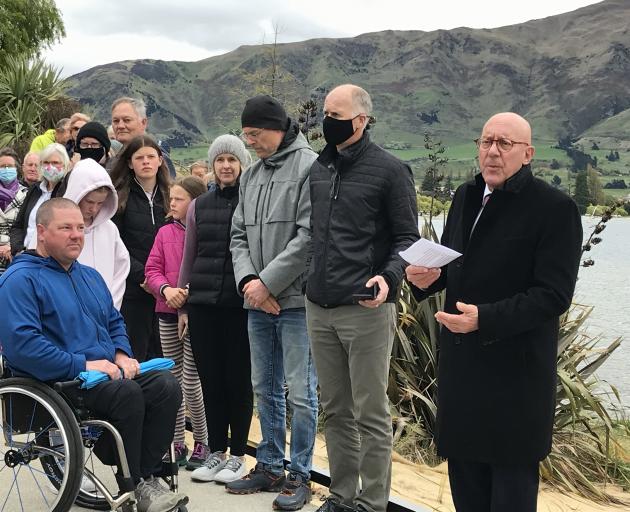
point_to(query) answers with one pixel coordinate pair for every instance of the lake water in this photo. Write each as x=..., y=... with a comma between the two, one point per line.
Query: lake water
x=606, y=287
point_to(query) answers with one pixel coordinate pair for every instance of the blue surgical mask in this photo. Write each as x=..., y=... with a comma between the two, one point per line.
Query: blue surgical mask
x=8, y=174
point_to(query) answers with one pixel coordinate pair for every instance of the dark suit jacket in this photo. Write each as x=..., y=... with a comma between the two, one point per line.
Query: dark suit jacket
x=497, y=385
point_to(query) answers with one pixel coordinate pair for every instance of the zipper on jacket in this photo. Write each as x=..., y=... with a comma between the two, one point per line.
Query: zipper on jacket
x=335, y=185
x=332, y=197
x=257, y=204
x=85, y=310
x=260, y=235
x=150, y=199
x=269, y=200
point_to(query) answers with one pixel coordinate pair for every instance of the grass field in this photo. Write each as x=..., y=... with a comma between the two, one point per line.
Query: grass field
x=462, y=159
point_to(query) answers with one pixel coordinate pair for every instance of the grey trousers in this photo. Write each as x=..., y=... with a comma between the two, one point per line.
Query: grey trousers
x=351, y=348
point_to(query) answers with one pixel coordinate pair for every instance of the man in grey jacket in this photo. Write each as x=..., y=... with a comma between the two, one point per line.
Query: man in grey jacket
x=270, y=243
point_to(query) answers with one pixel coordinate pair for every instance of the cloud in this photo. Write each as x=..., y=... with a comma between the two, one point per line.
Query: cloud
x=102, y=32
x=209, y=25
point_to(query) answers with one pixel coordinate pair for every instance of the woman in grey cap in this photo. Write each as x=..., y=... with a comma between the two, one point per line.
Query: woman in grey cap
x=216, y=319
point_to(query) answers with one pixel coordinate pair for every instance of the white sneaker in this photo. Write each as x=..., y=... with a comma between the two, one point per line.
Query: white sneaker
x=234, y=469
x=212, y=465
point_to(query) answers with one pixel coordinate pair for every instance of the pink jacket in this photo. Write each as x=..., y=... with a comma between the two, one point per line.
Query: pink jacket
x=164, y=260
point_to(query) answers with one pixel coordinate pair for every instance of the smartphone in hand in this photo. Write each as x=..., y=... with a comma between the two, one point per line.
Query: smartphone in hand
x=369, y=294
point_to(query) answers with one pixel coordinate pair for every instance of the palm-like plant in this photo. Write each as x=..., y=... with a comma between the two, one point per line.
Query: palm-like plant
x=26, y=88
x=586, y=454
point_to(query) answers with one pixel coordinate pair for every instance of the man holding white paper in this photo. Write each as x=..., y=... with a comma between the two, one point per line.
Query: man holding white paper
x=363, y=214
x=521, y=240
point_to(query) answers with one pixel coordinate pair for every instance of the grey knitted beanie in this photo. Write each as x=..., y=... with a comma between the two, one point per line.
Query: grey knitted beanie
x=232, y=145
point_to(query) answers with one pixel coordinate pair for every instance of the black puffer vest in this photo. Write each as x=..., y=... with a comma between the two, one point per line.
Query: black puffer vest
x=212, y=276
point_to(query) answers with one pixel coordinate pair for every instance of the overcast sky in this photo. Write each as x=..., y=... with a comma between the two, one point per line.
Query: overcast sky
x=103, y=32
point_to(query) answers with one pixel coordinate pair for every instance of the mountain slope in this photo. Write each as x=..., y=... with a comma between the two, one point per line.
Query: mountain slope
x=568, y=74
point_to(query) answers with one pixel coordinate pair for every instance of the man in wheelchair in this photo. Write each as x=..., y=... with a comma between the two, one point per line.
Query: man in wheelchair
x=59, y=320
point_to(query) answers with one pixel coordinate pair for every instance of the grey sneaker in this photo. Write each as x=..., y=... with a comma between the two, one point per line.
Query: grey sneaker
x=152, y=496
x=213, y=464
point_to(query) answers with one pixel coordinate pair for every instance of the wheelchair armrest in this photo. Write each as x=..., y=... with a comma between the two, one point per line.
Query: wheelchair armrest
x=62, y=386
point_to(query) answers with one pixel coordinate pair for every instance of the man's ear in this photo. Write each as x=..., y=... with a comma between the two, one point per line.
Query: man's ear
x=41, y=229
x=529, y=154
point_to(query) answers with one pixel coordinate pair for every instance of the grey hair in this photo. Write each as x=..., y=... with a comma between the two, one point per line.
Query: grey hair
x=55, y=148
x=78, y=116
x=62, y=124
x=361, y=101
x=136, y=103
x=30, y=153
x=46, y=211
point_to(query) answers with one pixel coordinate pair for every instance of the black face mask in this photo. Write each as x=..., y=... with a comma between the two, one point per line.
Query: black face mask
x=337, y=131
x=94, y=153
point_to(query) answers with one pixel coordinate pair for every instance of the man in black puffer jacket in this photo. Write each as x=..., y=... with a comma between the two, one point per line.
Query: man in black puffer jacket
x=363, y=214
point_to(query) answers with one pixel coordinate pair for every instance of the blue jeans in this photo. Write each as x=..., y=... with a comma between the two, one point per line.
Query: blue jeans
x=280, y=352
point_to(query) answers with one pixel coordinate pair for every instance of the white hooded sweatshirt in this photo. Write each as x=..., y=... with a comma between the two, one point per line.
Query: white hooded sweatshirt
x=103, y=248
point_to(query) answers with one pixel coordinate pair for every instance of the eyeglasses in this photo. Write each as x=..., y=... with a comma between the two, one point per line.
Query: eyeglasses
x=253, y=135
x=504, y=145
x=90, y=145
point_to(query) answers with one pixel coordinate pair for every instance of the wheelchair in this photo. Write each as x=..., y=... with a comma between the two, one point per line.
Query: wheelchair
x=47, y=462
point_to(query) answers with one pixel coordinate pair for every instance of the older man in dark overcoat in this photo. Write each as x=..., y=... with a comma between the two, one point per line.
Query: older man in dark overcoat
x=521, y=240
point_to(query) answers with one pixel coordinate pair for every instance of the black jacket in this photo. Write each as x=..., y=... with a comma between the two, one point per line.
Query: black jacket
x=138, y=224
x=497, y=385
x=20, y=226
x=363, y=214
x=212, y=275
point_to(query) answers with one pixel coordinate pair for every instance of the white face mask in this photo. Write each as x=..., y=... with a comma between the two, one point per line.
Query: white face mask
x=52, y=174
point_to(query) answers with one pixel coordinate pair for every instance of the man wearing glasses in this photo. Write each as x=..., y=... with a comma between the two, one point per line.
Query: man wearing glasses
x=521, y=240
x=270, y=241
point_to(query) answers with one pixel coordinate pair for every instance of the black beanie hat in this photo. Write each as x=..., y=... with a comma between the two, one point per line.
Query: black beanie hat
x=264, y=112
x=97, y=131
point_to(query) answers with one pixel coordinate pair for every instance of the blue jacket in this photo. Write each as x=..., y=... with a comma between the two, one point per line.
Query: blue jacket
x=54, y=321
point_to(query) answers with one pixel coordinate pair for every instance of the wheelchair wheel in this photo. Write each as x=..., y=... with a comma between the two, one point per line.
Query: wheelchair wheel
x=38, y=428
x=88, y=496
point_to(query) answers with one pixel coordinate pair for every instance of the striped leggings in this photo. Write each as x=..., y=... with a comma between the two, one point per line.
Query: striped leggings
x=186, y=373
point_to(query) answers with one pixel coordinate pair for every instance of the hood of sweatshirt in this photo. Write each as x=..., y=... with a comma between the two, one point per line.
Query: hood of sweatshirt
x=86, y=177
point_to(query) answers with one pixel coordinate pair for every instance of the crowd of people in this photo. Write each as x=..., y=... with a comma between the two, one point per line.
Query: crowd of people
x=265, y=281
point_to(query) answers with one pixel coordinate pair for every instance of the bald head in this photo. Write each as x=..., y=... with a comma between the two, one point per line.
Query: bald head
x=351, y=104
x=498, y=164
x=357, y=96
x=518, y=124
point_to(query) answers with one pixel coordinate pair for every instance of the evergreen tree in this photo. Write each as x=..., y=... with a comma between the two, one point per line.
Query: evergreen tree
x=428, y=182
x=581, y=194
x=596, y=194
x=449, y=188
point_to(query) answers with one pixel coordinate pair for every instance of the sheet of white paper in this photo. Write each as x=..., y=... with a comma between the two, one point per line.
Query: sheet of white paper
x=425, y=253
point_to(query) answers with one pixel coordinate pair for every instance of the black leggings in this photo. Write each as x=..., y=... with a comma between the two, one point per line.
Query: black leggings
x=220, y=346
x=142, y=327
